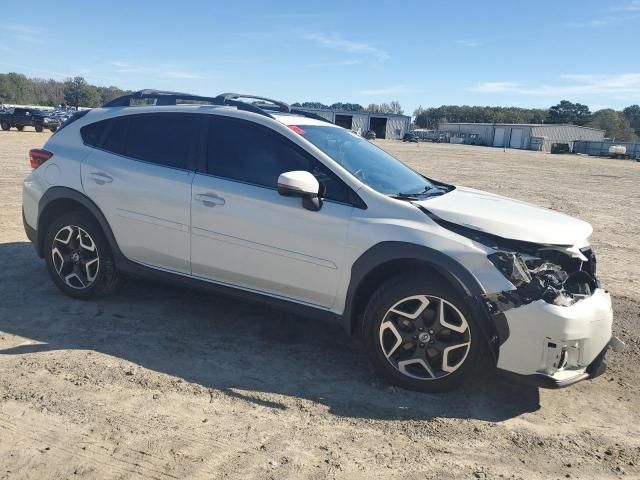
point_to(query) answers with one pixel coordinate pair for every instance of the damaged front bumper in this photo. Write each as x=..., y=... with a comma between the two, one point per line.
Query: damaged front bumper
x=555, y=346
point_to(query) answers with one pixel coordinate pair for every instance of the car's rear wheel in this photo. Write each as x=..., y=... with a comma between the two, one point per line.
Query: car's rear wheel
x=39, y=128
x=78, y=256
x=21, y=127
x=5, y=126
x=420, y=335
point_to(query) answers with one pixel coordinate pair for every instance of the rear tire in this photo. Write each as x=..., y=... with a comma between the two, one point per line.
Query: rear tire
x=39, y=128
x=78, y=256
x=20, y=128
x=420, y=335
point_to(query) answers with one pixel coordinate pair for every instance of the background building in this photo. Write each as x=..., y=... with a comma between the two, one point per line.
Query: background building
x=514, y=135
x=386, y=125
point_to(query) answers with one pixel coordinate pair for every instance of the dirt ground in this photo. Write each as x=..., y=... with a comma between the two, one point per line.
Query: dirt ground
x=158, y=382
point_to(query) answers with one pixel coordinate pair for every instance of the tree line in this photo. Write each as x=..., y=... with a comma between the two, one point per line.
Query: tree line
x=624, y=125
x=391, y=107
x=16, y=88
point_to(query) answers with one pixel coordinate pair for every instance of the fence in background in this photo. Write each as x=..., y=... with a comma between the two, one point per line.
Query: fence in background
x=601, y=149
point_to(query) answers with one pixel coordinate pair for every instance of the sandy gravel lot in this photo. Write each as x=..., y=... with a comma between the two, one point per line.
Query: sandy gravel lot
x=157, y=382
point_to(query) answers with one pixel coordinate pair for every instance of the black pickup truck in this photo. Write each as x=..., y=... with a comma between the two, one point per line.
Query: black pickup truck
x=26, y=117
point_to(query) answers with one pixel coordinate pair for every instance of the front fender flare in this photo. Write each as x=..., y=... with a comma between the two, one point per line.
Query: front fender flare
x=458, y=276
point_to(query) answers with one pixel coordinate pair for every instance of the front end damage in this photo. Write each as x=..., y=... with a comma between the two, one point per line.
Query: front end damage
x=554, y=326
x=559, y=276
x=559, y=319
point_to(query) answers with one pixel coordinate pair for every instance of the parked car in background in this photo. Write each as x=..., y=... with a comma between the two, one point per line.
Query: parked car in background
x=52, y=122
x=370, y=135
x=410, y=137
x=24, y=117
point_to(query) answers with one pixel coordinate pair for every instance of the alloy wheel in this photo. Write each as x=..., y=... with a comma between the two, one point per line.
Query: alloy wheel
x=425, y=337
x=75, y=257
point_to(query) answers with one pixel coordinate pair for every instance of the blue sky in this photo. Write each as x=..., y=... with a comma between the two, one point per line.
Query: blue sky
x=528, y=54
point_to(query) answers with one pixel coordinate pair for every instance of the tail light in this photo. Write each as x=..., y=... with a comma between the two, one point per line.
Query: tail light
x=37, y=156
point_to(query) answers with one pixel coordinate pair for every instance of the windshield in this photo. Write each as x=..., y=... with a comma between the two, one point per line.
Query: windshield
x=370, y=164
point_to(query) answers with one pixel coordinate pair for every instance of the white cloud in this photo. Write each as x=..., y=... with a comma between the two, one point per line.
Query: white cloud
x=391, y=90
x=336, y=42
x=25, y=33
x=343, y=63
x=162, y=70
x=633, y=6
x=622, y=86
x=298, y=16
x=469, y=43
x=607, y=21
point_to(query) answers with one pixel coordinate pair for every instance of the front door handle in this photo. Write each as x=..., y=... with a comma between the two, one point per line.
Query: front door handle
x=100, y=178
x=209, y=199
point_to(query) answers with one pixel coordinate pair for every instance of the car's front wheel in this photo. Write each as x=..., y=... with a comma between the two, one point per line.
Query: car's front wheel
x=5, y=126
x=20, y=127
x=78, y=256
x=420, y=335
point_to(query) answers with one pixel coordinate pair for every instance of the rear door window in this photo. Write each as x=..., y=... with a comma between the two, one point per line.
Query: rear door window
x=169, y=139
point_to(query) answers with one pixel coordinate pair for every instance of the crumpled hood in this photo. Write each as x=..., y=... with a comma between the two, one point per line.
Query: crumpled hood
x=507, y=218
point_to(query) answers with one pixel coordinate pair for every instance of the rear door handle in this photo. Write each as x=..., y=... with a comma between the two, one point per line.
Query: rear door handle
x=100, y=178
x=210, y=200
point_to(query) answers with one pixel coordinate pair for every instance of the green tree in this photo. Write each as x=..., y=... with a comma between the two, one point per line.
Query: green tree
x=393, y=107
x=567, y=112
x=632, y=114
x=432, y=117
x=78, y=93
x=614, y=123
x=310, y=105
x=109, y=93
x=349, y=107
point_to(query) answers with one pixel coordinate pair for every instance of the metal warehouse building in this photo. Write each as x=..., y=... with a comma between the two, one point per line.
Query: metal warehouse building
x=534, y=136
x=386, y=125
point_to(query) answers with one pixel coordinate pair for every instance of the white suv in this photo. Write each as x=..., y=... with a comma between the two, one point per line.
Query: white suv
x=262, y=201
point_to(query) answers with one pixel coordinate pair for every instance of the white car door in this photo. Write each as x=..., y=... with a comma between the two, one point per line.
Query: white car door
x=245, y=234
x=140, y=177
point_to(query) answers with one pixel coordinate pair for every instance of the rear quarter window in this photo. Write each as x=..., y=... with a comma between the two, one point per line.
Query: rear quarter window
x=93, y=133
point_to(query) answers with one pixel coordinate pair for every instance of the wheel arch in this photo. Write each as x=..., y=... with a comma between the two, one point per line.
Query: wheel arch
x=387, y=259
x=58, y=200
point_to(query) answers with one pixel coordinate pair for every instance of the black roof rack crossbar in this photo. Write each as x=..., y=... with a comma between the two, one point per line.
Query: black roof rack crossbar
x=231, y=99
x=162, y=98
x=171, y=98
x=226, y=97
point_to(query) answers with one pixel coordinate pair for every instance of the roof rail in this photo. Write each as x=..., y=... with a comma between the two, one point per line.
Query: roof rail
x=171, y=98
x=231, y=99
x=225, y=97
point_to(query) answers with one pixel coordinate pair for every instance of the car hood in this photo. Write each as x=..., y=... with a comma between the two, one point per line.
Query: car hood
x=507, y=218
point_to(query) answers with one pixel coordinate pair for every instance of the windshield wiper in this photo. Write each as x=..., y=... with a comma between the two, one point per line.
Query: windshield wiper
x=426, y=189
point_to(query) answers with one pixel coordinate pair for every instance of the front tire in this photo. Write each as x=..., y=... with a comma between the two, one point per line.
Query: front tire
x=39, y=128
x=5, y=126
x=420, y=335
x=20, y=128
x=78, y=256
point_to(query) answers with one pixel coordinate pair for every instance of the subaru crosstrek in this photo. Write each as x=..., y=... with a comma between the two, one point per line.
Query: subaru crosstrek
x=263, y=201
